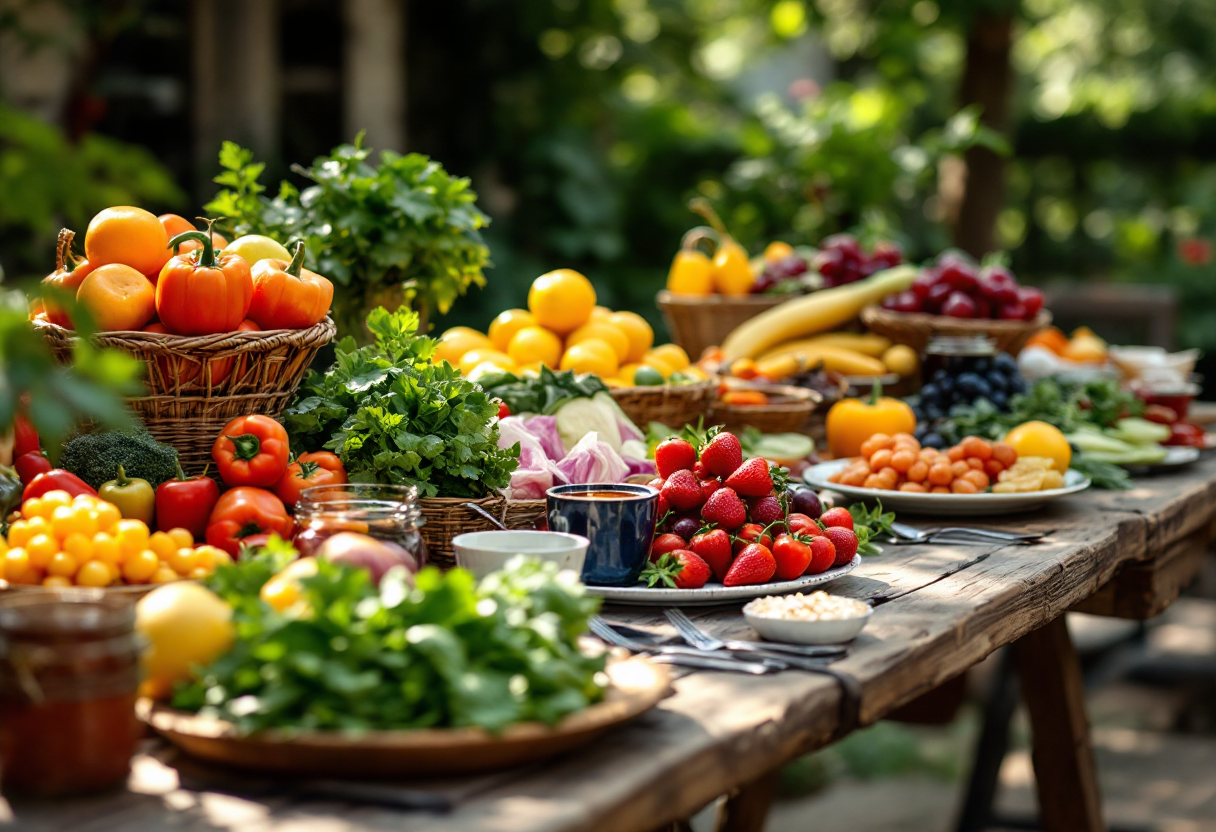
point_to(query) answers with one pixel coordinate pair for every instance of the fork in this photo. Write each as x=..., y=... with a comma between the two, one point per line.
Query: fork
x=682, y=656
x=915, y=535
x=702, y=640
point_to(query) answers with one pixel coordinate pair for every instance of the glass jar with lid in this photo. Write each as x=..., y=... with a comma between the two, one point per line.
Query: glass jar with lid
x=69, y=674
x=389, y=513
x=953, y=353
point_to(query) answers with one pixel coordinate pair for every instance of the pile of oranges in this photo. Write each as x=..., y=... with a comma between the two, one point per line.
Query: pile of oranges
x=61, y=541
x=899, y=463
x=564, y=329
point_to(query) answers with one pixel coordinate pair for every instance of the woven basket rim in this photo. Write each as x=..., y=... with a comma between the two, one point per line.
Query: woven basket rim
x=665, y=389
x=165, y=343
x=666, y=296
x=924, y=320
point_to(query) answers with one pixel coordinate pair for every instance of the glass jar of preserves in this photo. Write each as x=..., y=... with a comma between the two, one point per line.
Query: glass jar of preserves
x=389, y=513
x=69, y=672
x=955, y=353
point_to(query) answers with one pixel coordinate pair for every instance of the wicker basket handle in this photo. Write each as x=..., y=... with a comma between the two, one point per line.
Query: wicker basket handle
x=701, y=236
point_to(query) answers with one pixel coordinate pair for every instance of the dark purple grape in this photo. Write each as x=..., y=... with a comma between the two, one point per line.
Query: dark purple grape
x=791, y=265
x=686, y=527
x=844, y=243
x=804, y=500
x=886, y=254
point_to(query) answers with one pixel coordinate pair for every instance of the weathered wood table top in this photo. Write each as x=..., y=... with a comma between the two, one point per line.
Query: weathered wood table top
x=722, y=730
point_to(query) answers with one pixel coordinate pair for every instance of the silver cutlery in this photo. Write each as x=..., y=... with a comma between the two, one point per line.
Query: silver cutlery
x=702, y=640
x=906, y=532
x=683, y=656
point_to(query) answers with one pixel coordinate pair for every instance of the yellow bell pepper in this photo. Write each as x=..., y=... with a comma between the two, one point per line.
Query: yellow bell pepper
x=852, y=421
x=732, y=269
x=692, y=271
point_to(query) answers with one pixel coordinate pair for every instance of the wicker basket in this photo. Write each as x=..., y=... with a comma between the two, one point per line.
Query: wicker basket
x=916, y=328
x=696, y=322
x=674, y=405
x=789, y=412
x=447, y=517
x=258, y=373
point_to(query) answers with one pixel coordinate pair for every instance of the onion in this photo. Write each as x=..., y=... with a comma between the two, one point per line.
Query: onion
x=376, y=556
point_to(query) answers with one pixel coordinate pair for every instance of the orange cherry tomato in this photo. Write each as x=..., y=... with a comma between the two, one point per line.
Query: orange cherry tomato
x=130, y=236
x=309, y=470
x=199, y=293
x=287, y=295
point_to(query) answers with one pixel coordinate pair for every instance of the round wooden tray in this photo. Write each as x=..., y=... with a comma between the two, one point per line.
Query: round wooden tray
x=636, y=686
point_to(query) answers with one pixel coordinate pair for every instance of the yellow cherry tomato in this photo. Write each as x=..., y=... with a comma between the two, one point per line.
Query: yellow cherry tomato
x=163, y=575
x=56, y=498
x=140, y=566
x=19, y=533
x=198, y=573
x=56, y=582
x=18, y=569
x=181, y=537
x=162, y=544
x=94, y=573
x=105, y=549
x=62, y=564
x=509, y=322
x=41, y=549
x=34, y=507
x=107, y=514
x=210, y=557
x=183, y=560
x=78, y=546
x=132, y=536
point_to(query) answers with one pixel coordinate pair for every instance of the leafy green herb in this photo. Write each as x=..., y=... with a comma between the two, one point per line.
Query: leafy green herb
x=441, y=653
x=869, y=523
x=543, y=393
x=393, y=417
x=403, y=230
x=1103, y=474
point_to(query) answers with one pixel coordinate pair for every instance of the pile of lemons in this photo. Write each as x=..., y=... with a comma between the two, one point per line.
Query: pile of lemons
x=563, y=329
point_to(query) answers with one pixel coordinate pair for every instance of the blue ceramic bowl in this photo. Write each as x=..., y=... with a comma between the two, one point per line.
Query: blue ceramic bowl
x=620, y=529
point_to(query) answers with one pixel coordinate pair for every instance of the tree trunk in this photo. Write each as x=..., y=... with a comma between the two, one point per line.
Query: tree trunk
x=988, y=82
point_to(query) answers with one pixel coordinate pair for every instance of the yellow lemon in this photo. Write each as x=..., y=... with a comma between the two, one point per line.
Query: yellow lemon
x=487, y=368
x=669, y=354
x=561, y=300
x=534, y=344
x=1041, y=439
x=184, y=624
x=478, y=356
x=592, y=356
x=504, y=327
x=457, y=341
x=614, y=336
x=901, y=360
x=601, y=313
x=639, y=333
x=255, y=247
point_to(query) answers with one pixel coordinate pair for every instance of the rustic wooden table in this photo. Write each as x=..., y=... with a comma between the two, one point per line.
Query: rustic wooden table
x=1116, y=553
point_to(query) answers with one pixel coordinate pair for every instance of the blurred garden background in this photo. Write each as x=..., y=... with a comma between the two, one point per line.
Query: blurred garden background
x=1078, y=135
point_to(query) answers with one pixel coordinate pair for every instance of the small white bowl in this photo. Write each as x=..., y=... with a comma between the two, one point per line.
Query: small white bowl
x=484, y=552
x=799, y=631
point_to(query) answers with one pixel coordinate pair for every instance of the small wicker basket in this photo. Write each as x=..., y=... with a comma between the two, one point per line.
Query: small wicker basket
x=696, y=322
x=789, y=410
x=447, y=517
x=916, y=328
x=674, y=405
x=196, y=384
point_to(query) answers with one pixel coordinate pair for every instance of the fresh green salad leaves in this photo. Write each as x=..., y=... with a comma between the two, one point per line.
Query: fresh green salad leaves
x=543, y=393
x=869, y=523
x=393, y=417
x=441, y=653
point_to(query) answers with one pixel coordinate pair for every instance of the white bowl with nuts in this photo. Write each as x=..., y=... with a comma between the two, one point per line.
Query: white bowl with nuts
x=818, y=618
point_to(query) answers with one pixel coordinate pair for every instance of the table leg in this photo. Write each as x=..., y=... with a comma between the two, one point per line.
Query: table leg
x=747, y=809
x=1065, y=774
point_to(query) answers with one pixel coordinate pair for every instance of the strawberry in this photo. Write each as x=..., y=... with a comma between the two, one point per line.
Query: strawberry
x=804, y=525
x=751, y=479
x=845, y=542
x=765, y=510
x=839, y=517
x=792, y=555
x=754, y=565
x=725, y=509
x=673, y=455
x=714, y=548
x=709, y=487
x=683, y=491
x=752, y=533
x=701, y=471
x=665, y=543
x=681, y=569
x=656, y=483
x=823, y=555
x=663, y=507
x=722, y=455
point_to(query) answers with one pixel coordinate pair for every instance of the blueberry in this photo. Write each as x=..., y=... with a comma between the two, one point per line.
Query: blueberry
x=940, y=376
x=933, y=413
x=918, y=413
x=982, y=388
x=933, y=440
x=999, y=400
x=922, y=427
x=967, y=384
x=946, y=385
x=1006, y=363
x=981, y=365
x=1017, y=384
x=929, y=393
x=998, y=381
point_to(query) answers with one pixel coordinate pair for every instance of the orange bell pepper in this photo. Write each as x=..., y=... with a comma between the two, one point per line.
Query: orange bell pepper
x=244, y=512
x=251, y=450
x=200, y=294
x=852, y=421
x=288, y=296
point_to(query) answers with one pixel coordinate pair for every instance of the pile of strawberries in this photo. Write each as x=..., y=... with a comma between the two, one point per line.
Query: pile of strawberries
x=729, y=520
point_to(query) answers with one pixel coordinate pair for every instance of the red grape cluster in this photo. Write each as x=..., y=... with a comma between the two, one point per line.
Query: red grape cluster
x=841, y=259
x=791, y=267
x=958, y=288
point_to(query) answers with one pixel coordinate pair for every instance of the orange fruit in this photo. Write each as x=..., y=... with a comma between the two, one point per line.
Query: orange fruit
x=561, y=300
x=592, y=356
x=130, y=236
x=118, y=297
x=483, y=356
x=613, y=335
x=174, y=225
x=671, y=355
x=1039, y=439
x=639, y=333
x=509, y=322
x=534, y=344
x=457, y=341
x=601, y=313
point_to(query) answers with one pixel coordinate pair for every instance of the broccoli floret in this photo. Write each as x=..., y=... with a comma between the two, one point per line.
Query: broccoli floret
x=95, y=457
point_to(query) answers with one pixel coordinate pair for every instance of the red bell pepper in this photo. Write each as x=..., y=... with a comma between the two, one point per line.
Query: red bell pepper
x=31, y=465
x=310, y=470
x=25, y=438
x=57, y=479
x=244, y=512
x=186, y=503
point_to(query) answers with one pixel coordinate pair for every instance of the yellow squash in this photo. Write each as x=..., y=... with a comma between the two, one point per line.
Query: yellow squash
x=839, y=359
x=866, y=343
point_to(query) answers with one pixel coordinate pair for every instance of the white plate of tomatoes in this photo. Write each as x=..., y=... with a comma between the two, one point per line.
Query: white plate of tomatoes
x=714, y=592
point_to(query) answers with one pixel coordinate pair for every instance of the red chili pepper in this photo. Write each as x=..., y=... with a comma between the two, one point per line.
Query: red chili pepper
x=31, y=465
x=57, y=479
x=25, y=438
x=503, y=410
x=186, y=503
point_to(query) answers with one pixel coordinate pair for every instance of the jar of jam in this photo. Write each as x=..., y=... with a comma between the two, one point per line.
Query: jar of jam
x=389, y=513
x=955, y=353
x=69, y=672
